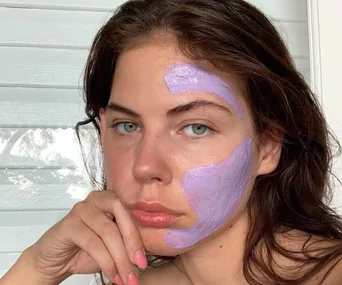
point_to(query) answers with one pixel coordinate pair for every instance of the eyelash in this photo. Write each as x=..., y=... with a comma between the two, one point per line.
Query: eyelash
x=115, y=126
x=208, y=131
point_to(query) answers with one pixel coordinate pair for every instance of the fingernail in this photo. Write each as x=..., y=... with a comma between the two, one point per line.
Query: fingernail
x=117, y=280
x=140, y=259
x=133, y=279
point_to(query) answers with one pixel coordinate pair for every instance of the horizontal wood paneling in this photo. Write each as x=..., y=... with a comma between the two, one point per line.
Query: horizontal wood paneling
x=43, y=67
x=39, y=147
x=73, y=280
x=283, y=10
x=7, y=259
x=45, y=107
x=16, y=239
x=80, y=5
x=69, y=29
x=46, y=147
x=30, y=189
x=30, y=218
x=38, y=197
x=41, y=95
x=18, y=230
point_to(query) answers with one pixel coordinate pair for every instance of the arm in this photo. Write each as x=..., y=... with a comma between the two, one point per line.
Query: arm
x=24, y=272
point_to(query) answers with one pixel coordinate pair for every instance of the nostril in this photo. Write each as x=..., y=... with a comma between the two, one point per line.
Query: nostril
x=153, y=179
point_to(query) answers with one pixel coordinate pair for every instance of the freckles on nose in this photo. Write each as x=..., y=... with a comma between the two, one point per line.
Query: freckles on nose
x=151, y=165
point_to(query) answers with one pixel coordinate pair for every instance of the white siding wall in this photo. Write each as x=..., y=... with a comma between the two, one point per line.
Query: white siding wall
x=43, y=48
x=326, y=43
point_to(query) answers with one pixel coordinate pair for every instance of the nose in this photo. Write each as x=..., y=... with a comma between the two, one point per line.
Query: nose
x=151, y=163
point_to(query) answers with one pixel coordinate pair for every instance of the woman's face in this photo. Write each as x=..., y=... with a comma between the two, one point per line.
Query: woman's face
x=180, y=136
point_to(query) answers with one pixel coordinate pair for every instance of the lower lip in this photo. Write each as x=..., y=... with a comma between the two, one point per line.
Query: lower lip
x=153, y=219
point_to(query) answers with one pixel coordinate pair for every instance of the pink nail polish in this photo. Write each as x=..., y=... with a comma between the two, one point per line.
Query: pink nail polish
x=140, y=259
x=133, y=279
x=118, y=280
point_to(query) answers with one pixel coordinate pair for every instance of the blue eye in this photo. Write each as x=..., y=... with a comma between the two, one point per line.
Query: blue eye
x=126, y=127
x=196, y=130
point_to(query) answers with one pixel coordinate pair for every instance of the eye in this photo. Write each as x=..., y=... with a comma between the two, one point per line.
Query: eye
x=126, y=127
x=196, y=130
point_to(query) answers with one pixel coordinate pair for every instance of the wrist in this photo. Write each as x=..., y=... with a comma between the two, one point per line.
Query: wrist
x=25, y=272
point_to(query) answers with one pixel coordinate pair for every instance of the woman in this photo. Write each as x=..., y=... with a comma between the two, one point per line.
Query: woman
x=216, y=157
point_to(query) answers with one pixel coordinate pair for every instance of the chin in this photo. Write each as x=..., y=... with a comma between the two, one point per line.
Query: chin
x=154, y=243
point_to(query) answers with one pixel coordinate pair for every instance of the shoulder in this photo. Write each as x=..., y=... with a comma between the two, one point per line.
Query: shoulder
x=335, y=275
x=310, y=251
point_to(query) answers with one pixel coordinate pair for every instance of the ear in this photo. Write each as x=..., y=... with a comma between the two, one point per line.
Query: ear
x=103, y=124
x=270, y=146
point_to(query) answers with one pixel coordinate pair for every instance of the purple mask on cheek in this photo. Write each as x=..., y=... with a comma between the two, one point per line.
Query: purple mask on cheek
x=213, y=192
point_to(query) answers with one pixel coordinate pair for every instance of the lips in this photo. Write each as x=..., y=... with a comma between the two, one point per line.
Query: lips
x=153, y=214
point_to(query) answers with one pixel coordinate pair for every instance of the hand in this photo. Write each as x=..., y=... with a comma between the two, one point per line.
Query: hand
x=87, y=240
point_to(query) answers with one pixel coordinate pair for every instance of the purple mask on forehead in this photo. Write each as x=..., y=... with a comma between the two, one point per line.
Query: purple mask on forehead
x=188, y=78
x=213, y=192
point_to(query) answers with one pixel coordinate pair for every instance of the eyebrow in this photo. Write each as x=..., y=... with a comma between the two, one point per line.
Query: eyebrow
x=193, y=105
x=121, y=109
x=178, y=110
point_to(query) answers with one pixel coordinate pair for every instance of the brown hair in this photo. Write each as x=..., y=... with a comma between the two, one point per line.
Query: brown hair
x=237, y=38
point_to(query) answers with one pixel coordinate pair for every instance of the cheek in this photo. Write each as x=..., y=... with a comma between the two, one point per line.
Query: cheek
x=116, y=166
x=213, y=192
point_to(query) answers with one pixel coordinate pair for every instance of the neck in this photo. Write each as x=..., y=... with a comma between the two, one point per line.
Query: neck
x=220, y=259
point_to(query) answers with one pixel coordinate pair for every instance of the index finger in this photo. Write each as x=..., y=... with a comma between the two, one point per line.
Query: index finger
x=129, y=232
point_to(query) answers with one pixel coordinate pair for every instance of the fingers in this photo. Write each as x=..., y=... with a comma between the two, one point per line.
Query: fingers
x=86, y=239
x=110, y=235
x=130, y=234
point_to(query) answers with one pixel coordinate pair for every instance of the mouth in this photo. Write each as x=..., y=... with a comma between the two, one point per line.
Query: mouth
x=153, y=214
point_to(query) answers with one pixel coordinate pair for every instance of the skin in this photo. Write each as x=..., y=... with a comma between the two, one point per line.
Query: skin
x=150, y=163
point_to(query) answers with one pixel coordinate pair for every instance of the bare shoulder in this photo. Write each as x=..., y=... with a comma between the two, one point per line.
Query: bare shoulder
x=335, y=276
x=167, y=274
x=305, y=246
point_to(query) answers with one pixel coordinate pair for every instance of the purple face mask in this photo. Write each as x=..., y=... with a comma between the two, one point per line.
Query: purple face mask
x=187, y=78
x=212, y=191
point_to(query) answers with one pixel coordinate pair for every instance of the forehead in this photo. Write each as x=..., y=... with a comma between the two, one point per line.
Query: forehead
x=141, y=72
x=158, y=54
